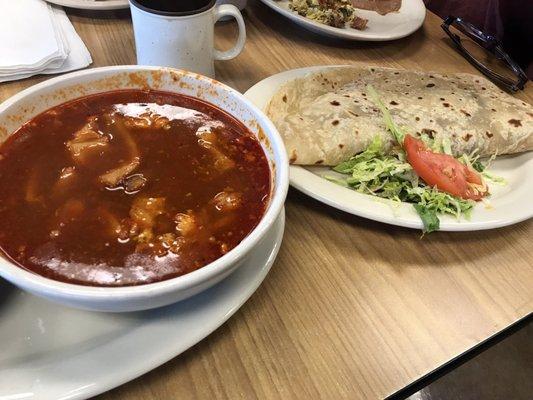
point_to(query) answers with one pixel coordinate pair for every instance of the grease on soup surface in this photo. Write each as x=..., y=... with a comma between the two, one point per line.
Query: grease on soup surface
x=129, y=187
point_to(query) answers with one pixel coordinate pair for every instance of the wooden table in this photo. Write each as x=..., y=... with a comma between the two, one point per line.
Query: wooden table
x=352, y=308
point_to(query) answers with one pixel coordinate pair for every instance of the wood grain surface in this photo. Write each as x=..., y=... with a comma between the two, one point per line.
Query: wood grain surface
x=352, y=309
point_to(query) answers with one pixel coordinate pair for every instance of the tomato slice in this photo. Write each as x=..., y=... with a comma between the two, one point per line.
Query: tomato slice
x=443, y=171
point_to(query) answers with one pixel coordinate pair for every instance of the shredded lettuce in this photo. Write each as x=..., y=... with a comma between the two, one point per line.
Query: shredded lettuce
x=429, y=218
x=389, y=176
x=493, y=178
x=394, y=129
x=473, y=161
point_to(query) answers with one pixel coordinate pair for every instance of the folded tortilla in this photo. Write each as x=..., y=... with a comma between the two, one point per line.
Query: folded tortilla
x=326, y=117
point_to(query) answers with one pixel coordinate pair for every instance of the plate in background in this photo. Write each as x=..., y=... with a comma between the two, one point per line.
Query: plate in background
x=392, y=26
x=92, y=4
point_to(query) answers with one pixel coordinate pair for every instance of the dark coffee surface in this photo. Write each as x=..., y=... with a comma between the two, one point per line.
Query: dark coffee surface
x=175, y=6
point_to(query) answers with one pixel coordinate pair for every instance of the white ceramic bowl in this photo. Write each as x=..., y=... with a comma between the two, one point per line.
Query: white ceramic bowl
x=32, y=101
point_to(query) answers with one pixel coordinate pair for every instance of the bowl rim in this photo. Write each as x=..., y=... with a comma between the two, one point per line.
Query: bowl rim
x=38, y=283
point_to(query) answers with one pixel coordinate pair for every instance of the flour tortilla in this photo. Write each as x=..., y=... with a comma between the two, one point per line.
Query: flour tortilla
x=327, y=117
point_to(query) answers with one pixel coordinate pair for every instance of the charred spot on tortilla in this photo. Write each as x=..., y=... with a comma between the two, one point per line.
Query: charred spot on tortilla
x=465, y=113
x=284, y=98
x=293, y=158
x=467, y=137
x=417, y=118
x=430, y=85
x=334, y=103
x=515, y=122
x=446, y=104
x=393, y=103
x=493, y=109
x=488, y=134
x=335, y=122
x=319, y=162
x=483, y=88
x=420, y=97
x=442, y=99
x=429, y=132
x=341, y=146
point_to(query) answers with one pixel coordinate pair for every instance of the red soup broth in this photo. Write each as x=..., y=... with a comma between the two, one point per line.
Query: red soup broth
x=129, y=187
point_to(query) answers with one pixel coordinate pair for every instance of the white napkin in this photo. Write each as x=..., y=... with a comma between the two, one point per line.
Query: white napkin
x=37, y=38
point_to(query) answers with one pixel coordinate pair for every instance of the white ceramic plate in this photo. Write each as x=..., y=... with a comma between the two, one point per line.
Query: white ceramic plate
x=508, y=204
x=392, y=26
x=92, y=4
x=49, y=352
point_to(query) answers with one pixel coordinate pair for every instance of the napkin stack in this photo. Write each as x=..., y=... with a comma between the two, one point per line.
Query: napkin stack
x=37, y=38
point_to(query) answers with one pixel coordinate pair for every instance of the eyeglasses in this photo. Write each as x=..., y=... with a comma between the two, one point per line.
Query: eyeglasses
x=486, y=53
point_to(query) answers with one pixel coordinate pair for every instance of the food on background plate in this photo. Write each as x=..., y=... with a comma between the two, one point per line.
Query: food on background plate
x=336, y=13
x=382, y=7
x=129, y=187
x=415, y=153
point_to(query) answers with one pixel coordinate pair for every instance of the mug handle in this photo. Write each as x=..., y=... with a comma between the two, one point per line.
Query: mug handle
x=225, y=10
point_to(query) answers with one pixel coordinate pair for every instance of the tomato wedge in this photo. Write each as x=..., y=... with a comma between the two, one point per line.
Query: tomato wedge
x=443, y=171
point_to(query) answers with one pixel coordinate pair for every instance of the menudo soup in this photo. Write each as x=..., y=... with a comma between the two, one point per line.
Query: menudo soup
x=129, y=187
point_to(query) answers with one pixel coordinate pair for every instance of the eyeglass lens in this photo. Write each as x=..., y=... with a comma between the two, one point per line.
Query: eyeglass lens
x=488, y=59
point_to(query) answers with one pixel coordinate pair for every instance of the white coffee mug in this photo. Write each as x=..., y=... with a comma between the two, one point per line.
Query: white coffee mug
x=182, y=40
x=240, y=4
